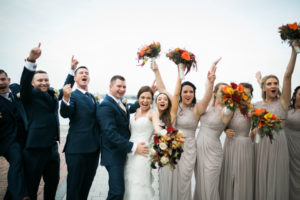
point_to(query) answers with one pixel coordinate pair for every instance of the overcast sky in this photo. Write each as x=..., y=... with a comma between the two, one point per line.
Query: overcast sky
x=105, y=36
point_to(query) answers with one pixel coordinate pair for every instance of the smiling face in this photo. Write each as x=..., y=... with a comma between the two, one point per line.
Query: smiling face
x=271, y=88
x=145, y=101
x=117, y=88
x=82, y=78
x=40, y=82
x=4, y=83
x=187, y=95
x=162, y=102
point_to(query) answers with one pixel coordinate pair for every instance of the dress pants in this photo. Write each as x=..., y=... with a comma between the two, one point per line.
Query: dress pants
x=81, y=172
x=42, y=162
x=16, y=189
x=115, y=182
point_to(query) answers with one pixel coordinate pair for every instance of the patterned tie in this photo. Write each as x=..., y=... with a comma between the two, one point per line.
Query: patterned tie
x=89, y=96
x=122, y=106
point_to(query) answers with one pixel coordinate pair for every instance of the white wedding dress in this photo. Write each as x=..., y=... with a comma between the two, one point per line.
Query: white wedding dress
x=138, y=173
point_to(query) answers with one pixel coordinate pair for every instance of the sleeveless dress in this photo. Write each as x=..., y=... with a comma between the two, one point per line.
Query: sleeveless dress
x=237, y=173
x=138, y=173
x=209, y=155
x=272, y=160
x=292, y=130
x=176, y=184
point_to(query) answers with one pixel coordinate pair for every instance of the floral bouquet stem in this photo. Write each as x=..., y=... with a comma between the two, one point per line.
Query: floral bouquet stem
x=297, y=49
x=152, y=62
x=181, y=70
x=257, y=138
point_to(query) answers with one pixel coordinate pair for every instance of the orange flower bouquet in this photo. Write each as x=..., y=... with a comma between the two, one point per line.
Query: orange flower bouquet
x=166, y=148
x=267, y=122
x=184, y=59
x=290, y=32
x=234, y=97
x=151, y=51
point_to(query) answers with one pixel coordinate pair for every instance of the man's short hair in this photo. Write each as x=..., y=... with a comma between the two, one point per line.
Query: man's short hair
x=116, y=77
x=3, y=72
x=81, y=67
x=40, y=72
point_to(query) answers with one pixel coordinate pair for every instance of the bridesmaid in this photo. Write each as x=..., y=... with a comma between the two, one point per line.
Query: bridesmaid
x=176, y=184
x=237, y=173
x=292, y=130
x=272, y=160
x=209, y=148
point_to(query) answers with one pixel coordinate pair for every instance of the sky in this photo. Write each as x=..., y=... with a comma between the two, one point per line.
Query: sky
x=106, y=35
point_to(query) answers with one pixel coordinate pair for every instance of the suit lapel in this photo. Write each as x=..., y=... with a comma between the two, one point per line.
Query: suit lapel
x=114, y=103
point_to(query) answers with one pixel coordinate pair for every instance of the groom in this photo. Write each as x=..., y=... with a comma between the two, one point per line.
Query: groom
x=113, y=117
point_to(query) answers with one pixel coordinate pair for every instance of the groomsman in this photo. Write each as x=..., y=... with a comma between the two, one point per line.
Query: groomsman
x=13, y=124
x=83, y=141
x=41, y=104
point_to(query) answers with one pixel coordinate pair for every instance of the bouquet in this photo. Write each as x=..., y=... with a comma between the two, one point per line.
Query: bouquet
x=166, y=148
x=290, y=32
x=184, y=59
x=151, y=51
x=268, y=123
x=233, y=97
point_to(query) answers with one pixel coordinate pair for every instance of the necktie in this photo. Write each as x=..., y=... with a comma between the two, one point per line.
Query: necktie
x=10, y=97
x=89, y=96
x=122, y=106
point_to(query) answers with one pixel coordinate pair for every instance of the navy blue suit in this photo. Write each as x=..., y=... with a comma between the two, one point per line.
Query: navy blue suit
x=41, y=150
x=115, y=134
x=82, y=147
x=12, y=138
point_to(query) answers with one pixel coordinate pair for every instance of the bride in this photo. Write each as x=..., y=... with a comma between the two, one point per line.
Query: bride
x=143, y=123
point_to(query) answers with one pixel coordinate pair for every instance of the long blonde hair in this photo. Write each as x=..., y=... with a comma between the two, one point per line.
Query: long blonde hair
x=262, y=85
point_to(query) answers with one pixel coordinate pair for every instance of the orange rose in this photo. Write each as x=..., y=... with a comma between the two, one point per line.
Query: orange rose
x=293, y=26
x=186, y=56
x=259, y=112
x=142, y=53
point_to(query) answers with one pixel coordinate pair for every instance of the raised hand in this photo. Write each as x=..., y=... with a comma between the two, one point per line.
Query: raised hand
x=67, y=90
x=154, y=87
x=74, y=63
x=142, y=149
x=211, y=76
x=35, y=53
x=258, y=77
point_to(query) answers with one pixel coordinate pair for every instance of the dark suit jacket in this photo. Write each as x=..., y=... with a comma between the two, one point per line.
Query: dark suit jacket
x=9, y=122
x=42, y=112
x=115, y=134
x=83, y=135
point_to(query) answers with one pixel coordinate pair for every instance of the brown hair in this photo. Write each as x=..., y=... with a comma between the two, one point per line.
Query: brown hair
x=216, y=88
x=114, y=78
x=165, y=115
x=144, y=89
x=262, y=85
x=81, y=67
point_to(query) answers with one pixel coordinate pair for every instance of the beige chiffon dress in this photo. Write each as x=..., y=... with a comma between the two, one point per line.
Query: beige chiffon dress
x=209, y=155
x=292, y=131
x=272, y=160
x=237, y=173
x=176, y=184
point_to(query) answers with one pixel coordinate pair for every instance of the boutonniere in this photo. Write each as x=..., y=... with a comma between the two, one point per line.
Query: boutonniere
x=124, y=101
x=18, y=95
x=56, y=93
x=97, y=97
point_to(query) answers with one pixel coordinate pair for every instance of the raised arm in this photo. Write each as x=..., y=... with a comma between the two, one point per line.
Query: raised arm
x=160, y=84
x=154, y=117
x=28, y=72
x=175, y=99
x=201, y=106
x=287, y=79
x=258, y=78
